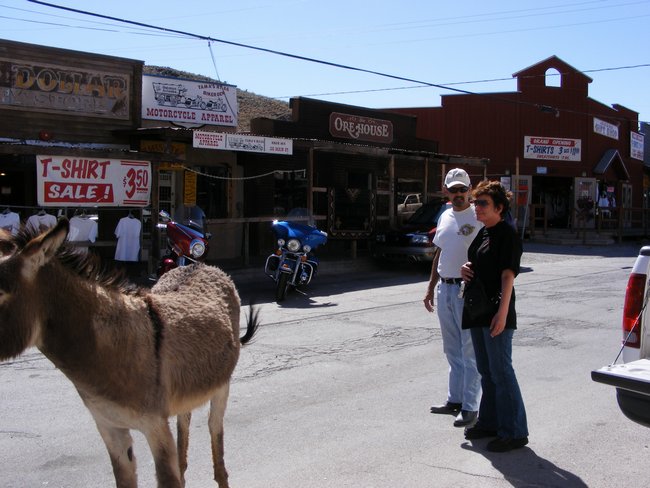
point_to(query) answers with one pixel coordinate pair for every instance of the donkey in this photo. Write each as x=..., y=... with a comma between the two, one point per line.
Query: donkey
x=135, y=356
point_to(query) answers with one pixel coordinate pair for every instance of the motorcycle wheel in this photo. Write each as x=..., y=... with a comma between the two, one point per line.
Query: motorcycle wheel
x=281, y=289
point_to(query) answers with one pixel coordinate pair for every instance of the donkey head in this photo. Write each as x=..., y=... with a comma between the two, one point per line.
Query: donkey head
x=18, y=271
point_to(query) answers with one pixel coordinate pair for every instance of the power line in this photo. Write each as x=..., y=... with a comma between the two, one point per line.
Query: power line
x=492, y=80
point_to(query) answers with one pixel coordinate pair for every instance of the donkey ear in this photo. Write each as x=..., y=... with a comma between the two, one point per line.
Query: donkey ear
x=41, y=249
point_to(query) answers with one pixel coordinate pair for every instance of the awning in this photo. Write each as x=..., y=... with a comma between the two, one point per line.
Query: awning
x=612, y=156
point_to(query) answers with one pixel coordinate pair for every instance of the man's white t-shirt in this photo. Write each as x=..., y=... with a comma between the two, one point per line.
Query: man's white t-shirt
x=455, y=232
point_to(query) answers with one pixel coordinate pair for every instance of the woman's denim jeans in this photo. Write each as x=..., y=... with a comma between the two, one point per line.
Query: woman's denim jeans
x=502, y=407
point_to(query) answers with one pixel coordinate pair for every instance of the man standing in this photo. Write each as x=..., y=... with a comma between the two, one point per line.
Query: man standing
x=456, y=230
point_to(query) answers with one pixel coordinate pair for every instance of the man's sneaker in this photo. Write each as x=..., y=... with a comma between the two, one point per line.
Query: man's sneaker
x=504, y=445
x=466, y=418
x=448, y=408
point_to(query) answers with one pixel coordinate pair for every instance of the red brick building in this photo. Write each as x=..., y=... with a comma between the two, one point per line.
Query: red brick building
x=564, y=148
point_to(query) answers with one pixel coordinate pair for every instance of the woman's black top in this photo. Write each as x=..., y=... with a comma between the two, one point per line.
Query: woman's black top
x=493, y=250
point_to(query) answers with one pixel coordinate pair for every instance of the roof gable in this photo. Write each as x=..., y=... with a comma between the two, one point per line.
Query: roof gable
x=534, y=77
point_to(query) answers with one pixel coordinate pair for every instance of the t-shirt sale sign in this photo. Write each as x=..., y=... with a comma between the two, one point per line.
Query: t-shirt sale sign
x=65, y=181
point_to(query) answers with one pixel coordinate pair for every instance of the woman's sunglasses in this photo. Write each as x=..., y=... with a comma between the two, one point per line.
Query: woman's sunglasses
x=481, y=203
x=458, y=189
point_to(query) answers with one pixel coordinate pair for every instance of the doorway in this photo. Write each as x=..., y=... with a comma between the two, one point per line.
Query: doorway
x=555, y=194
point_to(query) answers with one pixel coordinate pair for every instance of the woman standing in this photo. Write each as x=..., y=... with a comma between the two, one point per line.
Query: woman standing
x=494, y=258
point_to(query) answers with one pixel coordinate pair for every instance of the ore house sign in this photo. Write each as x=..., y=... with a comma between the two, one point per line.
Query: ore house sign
x=361, y=128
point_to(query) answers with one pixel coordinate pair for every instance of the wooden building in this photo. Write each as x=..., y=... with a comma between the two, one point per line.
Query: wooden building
x=350, y=166
x=558, y=147
x=66, y=106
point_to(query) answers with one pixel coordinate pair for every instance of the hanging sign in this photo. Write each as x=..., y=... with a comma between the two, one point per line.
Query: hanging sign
x=552, y=148
x=237, y=142
x=189, y=188
x=65, y=181
x=637, y=145
x=605, y=129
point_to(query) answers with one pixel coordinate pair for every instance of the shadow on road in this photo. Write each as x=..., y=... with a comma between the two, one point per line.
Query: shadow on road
x=523, y=468
x=263, y=290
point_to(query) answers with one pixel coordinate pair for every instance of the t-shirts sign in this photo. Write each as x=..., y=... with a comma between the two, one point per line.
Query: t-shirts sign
x=552, y=148
x=65, y=181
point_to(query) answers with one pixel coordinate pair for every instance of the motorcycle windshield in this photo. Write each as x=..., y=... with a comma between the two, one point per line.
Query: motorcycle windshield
x=191, y=231
x=192, y=217
x=306, y=234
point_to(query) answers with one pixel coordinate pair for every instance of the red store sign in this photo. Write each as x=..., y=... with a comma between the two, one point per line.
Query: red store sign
x=360, y=128
x=69, y=181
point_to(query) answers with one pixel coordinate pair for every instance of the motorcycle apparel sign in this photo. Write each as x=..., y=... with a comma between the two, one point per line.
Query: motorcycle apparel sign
x=65, y=181
x=189, y=103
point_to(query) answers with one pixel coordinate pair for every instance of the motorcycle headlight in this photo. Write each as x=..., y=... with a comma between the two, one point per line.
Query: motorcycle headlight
x=280, y=242
x=306, y=248
x=293, y=245
x=197, y=248
x=420, y=239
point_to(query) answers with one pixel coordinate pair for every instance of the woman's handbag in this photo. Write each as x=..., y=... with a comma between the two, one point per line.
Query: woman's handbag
x=477, y=304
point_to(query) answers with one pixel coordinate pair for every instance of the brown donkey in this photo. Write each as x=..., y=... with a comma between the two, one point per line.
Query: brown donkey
x=136, y=357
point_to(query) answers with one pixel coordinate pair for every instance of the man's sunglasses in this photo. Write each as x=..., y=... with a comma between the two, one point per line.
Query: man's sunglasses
x=458, y=189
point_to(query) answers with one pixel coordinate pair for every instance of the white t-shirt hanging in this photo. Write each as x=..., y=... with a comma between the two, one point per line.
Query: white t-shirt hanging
x=82, y=229
x=454, y=233
x=10, y=222
x=41, y=223
x=128, y=239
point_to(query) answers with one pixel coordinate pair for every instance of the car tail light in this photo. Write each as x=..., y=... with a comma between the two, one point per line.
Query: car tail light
x=634, y=295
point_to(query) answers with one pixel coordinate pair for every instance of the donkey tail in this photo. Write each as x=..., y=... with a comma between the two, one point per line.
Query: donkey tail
x=252, y=324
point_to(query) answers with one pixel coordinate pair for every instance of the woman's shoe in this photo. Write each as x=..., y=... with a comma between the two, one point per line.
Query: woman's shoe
x=501, y=444
x=479, y=433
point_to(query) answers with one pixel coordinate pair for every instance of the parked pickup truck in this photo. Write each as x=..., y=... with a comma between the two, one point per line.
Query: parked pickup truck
x=632, y=377
x=411, y=203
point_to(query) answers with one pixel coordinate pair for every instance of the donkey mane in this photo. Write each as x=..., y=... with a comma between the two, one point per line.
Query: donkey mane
x=88, y=266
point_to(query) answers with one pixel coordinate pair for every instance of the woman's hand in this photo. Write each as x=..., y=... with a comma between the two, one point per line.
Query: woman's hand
x=498, y=324
x=466, y=272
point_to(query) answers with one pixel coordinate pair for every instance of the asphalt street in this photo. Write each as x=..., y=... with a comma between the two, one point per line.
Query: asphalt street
x=336, y=388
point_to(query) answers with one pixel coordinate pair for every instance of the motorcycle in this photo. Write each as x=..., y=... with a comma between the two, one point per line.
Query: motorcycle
x=186, y=243
x=293, y=264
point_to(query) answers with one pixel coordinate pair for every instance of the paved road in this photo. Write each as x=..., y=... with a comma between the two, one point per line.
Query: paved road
x=336, y=390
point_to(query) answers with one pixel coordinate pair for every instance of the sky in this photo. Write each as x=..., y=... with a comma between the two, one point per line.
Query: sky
x=468, y=45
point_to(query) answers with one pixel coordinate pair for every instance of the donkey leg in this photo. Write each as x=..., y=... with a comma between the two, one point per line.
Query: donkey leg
x=215, y=422
x=119, y=444
x=161, y=442
x=182, y=441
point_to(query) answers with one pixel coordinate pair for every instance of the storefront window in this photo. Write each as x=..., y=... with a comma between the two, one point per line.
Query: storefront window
x=212, y=191
x=290, y=191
